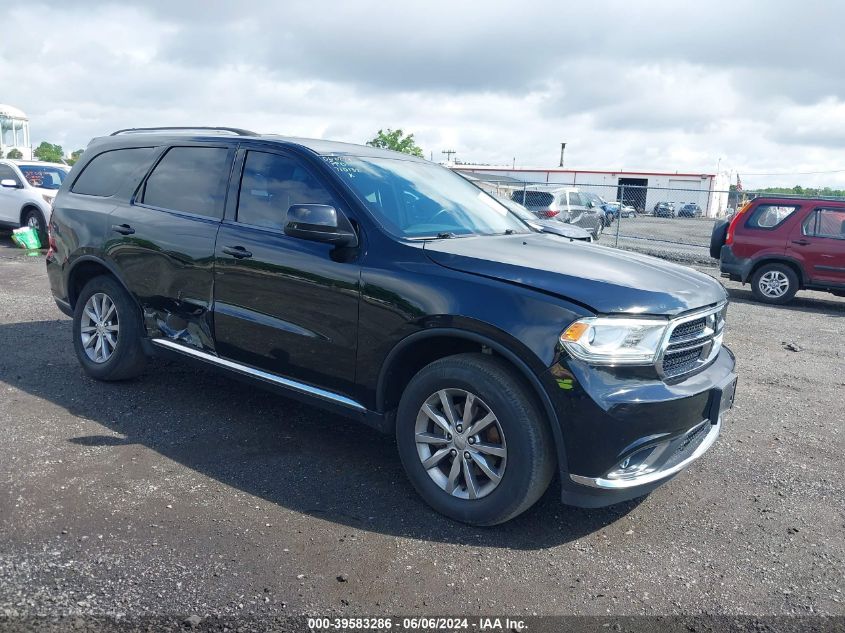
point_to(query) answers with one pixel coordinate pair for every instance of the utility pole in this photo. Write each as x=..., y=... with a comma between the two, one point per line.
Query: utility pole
x=562, y=148
x=449, y=153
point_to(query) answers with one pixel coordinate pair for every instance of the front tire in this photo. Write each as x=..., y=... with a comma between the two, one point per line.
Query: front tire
x=107, y=331
x=472, y=440
x=34, y=219
x=774, y=283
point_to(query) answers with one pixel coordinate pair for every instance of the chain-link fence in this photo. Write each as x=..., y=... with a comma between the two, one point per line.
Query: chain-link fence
x=671, y=223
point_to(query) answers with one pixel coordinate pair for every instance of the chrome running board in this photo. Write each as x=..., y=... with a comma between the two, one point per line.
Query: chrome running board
x=246, y=370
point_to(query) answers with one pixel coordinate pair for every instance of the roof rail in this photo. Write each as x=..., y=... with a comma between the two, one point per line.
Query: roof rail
x=151, y=130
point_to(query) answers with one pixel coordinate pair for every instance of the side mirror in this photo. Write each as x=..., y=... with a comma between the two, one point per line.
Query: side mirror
x=8, y=183
x=320, y=223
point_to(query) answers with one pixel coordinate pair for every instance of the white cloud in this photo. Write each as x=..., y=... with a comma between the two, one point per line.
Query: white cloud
x=656, y=85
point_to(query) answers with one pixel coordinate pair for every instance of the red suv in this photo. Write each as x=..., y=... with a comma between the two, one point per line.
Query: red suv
x=782, y=245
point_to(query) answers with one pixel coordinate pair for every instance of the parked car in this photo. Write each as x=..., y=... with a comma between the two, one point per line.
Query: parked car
x=27, y=190
x=595, y=201
x=564, y=204
x=390, y=289
x=690, y=210
x=547, y=226
x=621, y=210
x=782, y=245
x=665, y=210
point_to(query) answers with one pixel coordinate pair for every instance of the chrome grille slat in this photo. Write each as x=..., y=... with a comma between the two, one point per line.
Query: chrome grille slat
x=692, y=343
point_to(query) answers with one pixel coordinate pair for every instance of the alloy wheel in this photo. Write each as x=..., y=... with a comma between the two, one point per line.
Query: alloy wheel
x=773, y=284
x=460, y=443
x=99, y=327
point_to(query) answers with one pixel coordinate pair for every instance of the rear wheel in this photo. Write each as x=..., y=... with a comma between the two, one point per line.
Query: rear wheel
x=774, y=283
x=107, y=331
x=34, y=219
x=599, y=230
x=472, y=440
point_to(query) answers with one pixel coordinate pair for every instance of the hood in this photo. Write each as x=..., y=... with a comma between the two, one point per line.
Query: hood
x=605, y=279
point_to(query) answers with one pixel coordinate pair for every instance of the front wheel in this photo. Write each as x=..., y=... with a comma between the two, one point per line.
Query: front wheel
x=472, y=440
x=34, y=219
x=597, y=234
x=774, y=283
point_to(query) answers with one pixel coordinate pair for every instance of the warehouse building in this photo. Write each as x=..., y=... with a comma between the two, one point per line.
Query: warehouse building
x=642, y=190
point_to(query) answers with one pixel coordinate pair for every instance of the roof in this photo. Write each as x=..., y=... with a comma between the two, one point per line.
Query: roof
x=33, y=163
x=617, y=172
x=11, y=111
x=318, y=146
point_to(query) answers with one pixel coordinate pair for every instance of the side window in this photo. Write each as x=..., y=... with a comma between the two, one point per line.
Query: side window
x=109, y=171
x=271, y=184
x=769, y=216
x=189, y=179
x=825, y=223
x=7, y=173
x=575, y=199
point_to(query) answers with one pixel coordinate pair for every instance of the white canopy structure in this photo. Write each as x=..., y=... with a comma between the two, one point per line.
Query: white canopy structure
x=14, y=132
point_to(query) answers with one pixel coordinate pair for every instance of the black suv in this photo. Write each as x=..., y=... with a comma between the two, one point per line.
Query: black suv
x=392, y=290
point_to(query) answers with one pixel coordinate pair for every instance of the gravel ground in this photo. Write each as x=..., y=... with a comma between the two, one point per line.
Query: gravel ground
x=184, y=493
x=683, y=240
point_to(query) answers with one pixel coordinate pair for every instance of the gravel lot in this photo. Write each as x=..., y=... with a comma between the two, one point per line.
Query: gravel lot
x=185, y=493
x=684, y=240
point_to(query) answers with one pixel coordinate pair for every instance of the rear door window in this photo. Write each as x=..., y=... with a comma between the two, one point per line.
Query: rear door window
x=575, y=199
x=769, y=216
x=190, y=180
x=825, y=223
x=109, y=171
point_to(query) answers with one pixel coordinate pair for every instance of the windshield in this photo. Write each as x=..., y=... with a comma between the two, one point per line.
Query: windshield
x=414, y=199
x=44, y=177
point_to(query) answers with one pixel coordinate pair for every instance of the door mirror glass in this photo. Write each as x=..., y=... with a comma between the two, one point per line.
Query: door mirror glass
x=320, y=223
x=8, y=183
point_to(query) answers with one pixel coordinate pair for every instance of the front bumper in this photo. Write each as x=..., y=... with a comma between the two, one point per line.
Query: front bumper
x=625, y=431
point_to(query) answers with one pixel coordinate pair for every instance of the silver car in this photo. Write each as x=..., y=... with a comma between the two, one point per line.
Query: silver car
x=564, y=204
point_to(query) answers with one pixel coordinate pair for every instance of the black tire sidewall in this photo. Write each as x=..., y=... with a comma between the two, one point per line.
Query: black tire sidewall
x=42, y=224
x=514, y=414
x=790, y=275
x=125, y=359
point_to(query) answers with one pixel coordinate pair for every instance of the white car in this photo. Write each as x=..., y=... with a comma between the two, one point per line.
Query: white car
x=27, y=191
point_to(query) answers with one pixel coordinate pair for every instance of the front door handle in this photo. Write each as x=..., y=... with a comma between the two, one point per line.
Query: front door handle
x=801, y=242
x=239, y=252
x=123, y=229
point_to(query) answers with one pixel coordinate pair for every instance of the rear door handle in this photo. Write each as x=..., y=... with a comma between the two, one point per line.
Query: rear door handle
x=238, y=252
x=123, y=229
x=801, y=242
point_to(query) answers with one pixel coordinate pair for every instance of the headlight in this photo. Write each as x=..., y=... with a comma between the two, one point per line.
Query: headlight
x=609, y=341
x=48, y=199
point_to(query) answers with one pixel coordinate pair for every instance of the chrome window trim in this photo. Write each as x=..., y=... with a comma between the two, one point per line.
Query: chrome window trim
x=641, y=480
x=246, y=370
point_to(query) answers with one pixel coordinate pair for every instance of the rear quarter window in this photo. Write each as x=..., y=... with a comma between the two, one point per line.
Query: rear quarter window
x=109, y=171
x=769, y=216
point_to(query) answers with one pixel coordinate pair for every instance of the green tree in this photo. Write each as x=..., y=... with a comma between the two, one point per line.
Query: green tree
x=49, y=152
x=74, y=156
x=14, y=154
x=397, y=141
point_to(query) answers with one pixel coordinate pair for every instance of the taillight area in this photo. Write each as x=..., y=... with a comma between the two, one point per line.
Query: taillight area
x=729, y=238
x=548, y=213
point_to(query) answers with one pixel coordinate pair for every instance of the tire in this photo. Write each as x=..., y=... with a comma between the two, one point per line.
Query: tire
x=526, y=460
x=126, y=359
x=35, y=219
x=774, y=283
x=718, y=237
x=599, y=231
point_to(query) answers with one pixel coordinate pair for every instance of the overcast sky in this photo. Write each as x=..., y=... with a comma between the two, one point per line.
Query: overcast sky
x=636, y=85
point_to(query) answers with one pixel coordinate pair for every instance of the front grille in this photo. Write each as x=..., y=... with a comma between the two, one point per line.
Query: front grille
x=688, y=329
x=693, y=342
